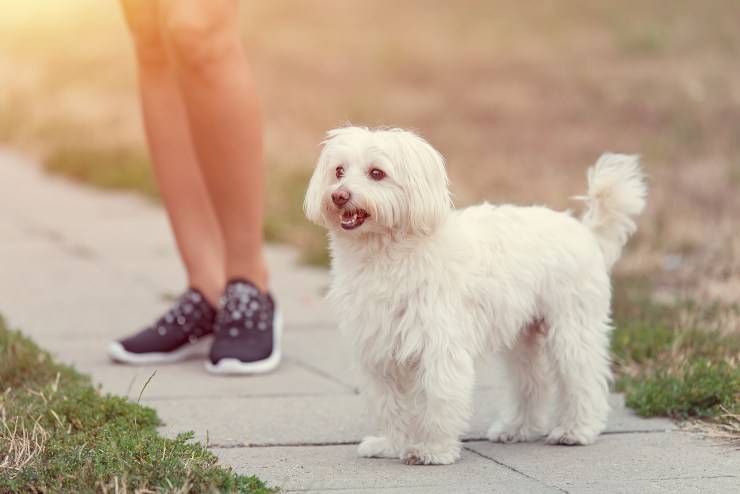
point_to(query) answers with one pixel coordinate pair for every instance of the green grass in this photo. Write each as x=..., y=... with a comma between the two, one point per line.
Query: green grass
x=285, y=221
x=702, y=388
x=734, y=174
x=675, y=361
x=642, y=40
x=121, y=168
x=58, y=433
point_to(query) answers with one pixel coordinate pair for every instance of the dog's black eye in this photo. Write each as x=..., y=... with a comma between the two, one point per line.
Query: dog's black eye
x=377, y=174
x=340, y=171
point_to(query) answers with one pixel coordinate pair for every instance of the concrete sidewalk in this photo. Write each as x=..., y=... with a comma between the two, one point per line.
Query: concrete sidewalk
x=79, y=267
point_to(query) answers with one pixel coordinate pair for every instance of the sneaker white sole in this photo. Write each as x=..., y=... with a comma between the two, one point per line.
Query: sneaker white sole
x=232, y=366
x=198, y=349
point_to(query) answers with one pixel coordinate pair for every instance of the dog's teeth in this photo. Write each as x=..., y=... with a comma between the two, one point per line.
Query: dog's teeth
x=352, y=219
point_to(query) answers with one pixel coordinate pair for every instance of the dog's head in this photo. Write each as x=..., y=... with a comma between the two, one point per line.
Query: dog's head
x=378, y=182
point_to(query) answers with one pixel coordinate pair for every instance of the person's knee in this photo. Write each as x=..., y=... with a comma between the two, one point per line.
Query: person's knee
x=200, y=39
x=150, y=48
x=143, y=24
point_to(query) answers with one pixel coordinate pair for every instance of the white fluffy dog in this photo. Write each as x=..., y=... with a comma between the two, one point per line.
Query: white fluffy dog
x=424, y=290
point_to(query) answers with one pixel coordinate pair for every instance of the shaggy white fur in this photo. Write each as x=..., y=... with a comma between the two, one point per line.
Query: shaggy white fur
x=424, y=290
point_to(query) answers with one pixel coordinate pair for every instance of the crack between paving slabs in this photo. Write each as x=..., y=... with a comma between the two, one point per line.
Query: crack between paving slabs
x=367, y=488
x=701, y=477
x=309, y=443
x=57, y=240
x=476, y=439
x=282, y=445
x=324, y=374
x=354, y=489
x=597, y=481
x=239, y=397
x=357, y=441
x=311, y=326
x=515, y=470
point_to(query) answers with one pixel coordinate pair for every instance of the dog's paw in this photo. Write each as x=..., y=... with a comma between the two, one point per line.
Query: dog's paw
x=377, y=447
x=504, y=433
x=570, y=437
x=423, y=455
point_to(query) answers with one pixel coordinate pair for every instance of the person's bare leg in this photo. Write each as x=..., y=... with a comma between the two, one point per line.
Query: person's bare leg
x=181, y=184
x=225, y=123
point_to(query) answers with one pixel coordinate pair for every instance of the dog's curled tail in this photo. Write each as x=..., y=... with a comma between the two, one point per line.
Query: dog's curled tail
x=616, y=194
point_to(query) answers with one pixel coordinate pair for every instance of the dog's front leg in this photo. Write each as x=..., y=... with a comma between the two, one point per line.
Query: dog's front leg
x=446, y=388
x=389, y=402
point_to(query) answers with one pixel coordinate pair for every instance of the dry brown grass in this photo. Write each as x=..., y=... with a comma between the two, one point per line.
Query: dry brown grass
x=726, y=431
x=519, y=96
x=19, y=446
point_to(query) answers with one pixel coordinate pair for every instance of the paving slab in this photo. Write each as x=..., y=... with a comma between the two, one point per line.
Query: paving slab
x=337, y=468
x=617, y=461
x=189, y=381
x=341, y=418
x=710, y=485
x=59, y=295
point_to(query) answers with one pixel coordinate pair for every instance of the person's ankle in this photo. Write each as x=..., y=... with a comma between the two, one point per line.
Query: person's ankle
x=254, y=272
x=210, y=287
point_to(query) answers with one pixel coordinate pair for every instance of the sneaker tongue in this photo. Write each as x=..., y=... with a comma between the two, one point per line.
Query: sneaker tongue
x=241, y=285
x=239, y=288
x=195, y=296
x=240, y=281
x=243, y=288
x=192, y=301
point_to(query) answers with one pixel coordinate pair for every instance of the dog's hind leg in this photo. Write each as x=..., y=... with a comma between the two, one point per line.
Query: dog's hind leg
x=524, y=407
x=579, y=348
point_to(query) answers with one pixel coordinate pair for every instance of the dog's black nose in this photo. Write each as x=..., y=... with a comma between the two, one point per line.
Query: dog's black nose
x=340, y=197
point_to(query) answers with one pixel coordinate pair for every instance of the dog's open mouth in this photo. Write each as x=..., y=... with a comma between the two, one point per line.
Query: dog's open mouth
x=353, y=218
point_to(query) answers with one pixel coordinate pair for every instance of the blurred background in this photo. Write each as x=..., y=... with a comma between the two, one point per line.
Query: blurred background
x=519, y=96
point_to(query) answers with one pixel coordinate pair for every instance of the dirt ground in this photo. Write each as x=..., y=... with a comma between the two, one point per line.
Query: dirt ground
x=519, y=96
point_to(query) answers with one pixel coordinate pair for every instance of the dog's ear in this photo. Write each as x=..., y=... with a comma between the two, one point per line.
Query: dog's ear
x=312, y=204
x=425, y=183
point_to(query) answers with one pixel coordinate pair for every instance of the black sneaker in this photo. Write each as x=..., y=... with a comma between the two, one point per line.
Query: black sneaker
x=184, y=331
x=246, y=335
